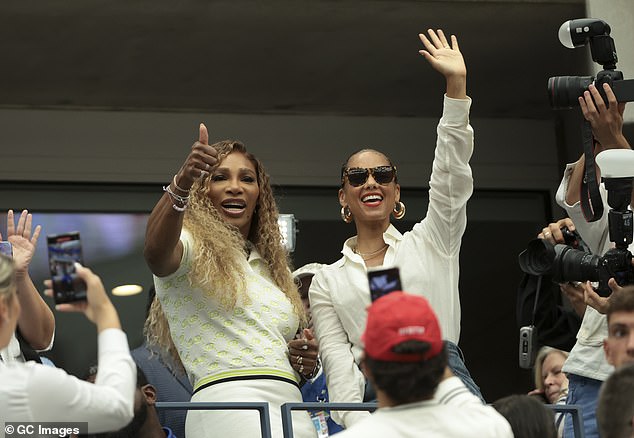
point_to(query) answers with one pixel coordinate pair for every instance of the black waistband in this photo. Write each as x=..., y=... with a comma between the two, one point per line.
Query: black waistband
x=254, y=377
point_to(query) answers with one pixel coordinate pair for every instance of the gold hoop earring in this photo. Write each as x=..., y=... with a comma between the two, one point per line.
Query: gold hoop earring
x=399, y=210
x=346, y=214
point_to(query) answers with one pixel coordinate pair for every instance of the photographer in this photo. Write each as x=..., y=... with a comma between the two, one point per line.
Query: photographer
x=586, y=366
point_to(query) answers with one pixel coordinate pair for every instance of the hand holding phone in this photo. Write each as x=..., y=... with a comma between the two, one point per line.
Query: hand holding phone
x=64, y=250
x=383, y=281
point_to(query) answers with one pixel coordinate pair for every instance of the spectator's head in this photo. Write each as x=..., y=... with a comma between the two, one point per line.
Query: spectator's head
x=615, y=409
x=9, y=305
x=548, y=375
x=528, y=417
x=619, y=345
x=303, y=277
x=405, y=356
x=145, y=420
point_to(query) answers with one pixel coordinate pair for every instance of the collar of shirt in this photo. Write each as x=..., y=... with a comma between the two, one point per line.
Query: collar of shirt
x=390, y=236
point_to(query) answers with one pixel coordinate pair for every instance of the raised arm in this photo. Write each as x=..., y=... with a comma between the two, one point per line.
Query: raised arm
x=607, y=128
x=447, y=60
x=163, y=249
x=109, y=403
x=36, y=322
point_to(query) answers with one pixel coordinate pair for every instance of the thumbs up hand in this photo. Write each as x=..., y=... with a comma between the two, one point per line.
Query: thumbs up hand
x=200, y=160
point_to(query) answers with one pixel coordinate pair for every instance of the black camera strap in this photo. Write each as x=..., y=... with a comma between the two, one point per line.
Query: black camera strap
x=591, y=202
x=539, y=286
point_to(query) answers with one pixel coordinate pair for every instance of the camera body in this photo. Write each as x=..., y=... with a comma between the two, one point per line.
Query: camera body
x=528, y=346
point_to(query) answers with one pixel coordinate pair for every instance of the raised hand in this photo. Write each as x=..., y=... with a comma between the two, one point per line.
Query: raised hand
x=200, y=160
x=23, y=239
x=447, y=59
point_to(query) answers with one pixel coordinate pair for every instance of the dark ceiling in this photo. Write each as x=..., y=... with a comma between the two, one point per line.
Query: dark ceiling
x=288, y=57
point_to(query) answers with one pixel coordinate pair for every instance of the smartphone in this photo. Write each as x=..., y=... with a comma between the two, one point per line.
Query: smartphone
x=63, y=251
x=383, y=281
x=528, y=346
x=6, y=249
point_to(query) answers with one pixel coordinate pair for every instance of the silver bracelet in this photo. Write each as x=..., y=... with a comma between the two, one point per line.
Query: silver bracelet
x=184, y=200
x=176, y=185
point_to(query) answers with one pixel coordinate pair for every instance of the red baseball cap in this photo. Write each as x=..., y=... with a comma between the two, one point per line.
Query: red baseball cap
x=398, y=317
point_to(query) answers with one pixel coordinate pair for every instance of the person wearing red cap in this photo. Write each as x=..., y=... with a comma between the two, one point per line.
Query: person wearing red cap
x=406, y=360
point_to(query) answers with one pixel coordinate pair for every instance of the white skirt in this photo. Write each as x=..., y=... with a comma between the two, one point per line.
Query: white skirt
x=246, y=423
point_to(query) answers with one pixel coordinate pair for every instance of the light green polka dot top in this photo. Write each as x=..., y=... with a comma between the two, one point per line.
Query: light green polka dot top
x=215, y=343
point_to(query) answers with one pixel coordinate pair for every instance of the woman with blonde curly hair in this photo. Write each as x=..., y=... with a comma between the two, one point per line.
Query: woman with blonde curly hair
x=225, y=290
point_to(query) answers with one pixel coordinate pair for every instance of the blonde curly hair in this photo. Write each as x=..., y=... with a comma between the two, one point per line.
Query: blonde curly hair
x=218, y=246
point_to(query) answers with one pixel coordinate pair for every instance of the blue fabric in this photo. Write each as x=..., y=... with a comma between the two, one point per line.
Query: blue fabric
x=583, y=391
x=316, y=391
x=169, y=388
x=457, y=366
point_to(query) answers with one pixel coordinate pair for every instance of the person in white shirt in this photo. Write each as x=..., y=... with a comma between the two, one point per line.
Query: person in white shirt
x=36, y=324
x=586, y=366
x=405, y=358
x=31, y=392
x=427, y=256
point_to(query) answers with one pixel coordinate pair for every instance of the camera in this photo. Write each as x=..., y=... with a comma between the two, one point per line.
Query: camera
x=565, y=262
x=563, y=91
x=528, y=346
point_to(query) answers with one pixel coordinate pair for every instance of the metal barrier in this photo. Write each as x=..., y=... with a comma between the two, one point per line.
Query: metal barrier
x=577, y=417
x=261, y=407
x=287, y=419
x=287, y=408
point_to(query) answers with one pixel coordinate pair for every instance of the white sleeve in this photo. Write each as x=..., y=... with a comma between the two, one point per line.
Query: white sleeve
x=451, y=183
x=595, y=234
x=344, y=379
x=106, y=405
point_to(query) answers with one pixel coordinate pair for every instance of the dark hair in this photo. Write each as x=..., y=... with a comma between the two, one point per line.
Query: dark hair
x=408, y=382
x=528, y=417
x=621, y=300
x=344, y=166
x=615, y=410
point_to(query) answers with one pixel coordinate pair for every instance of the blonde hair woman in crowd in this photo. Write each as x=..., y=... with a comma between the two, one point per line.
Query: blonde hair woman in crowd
x=551, y=382
x=222, y=278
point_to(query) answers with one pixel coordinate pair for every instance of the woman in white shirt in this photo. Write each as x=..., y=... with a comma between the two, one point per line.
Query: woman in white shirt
x=427, y=255
x=31, y=392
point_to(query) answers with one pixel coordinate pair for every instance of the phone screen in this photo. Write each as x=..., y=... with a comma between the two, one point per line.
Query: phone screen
x=63, y=251
x=383, y=281
x=6, y=249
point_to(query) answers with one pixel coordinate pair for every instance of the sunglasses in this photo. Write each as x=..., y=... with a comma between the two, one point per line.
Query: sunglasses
x=357, y=176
